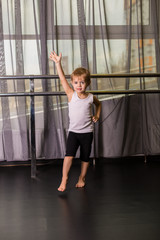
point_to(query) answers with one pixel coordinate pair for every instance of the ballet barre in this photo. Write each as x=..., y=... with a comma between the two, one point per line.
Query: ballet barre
x=33, y=94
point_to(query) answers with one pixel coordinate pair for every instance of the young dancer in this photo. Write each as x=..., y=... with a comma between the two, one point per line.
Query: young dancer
x=80, y=119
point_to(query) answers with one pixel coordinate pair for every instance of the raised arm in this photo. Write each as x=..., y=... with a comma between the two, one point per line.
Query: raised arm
x=57, y=59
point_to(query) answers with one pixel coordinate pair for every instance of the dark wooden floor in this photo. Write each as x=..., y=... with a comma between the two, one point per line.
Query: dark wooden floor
x=121, y=201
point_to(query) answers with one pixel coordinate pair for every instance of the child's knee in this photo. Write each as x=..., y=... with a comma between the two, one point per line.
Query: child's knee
x=85, y=160
x=68, y=158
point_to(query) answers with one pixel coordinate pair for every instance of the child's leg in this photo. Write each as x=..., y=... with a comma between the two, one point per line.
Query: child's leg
x=66, y=167
x=81, y=180
x=85, y=150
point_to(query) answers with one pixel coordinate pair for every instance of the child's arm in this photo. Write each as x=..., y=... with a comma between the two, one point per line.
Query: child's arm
x=57, y=59
x=97, y=103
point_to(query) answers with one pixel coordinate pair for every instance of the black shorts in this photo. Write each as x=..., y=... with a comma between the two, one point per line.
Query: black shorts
x=82, y=140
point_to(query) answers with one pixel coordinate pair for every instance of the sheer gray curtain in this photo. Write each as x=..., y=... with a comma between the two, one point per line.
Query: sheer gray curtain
x=118, y=36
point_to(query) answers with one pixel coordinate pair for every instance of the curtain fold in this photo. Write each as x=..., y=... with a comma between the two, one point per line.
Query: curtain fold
x=82, y=34
x=101, y=35
x=21, y=102
x=6, y=132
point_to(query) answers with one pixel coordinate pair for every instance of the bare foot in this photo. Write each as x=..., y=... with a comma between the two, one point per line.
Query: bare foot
x=81, y=183
x=62, y=186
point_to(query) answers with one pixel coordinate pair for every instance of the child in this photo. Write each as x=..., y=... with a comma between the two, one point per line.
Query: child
x=80, y=119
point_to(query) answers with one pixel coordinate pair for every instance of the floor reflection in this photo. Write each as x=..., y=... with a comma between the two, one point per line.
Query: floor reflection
x=77, y=213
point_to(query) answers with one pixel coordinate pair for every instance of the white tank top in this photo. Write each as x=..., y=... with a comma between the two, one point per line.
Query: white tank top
x=80, y=114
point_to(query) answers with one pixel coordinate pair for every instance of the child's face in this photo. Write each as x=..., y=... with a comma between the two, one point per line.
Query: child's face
x=79, y=84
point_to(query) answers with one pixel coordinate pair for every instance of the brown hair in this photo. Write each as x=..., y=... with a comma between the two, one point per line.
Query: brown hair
x=81, y=71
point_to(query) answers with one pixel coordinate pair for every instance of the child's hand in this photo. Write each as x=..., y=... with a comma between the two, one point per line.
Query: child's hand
x=54, y=57
x=95, y=119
